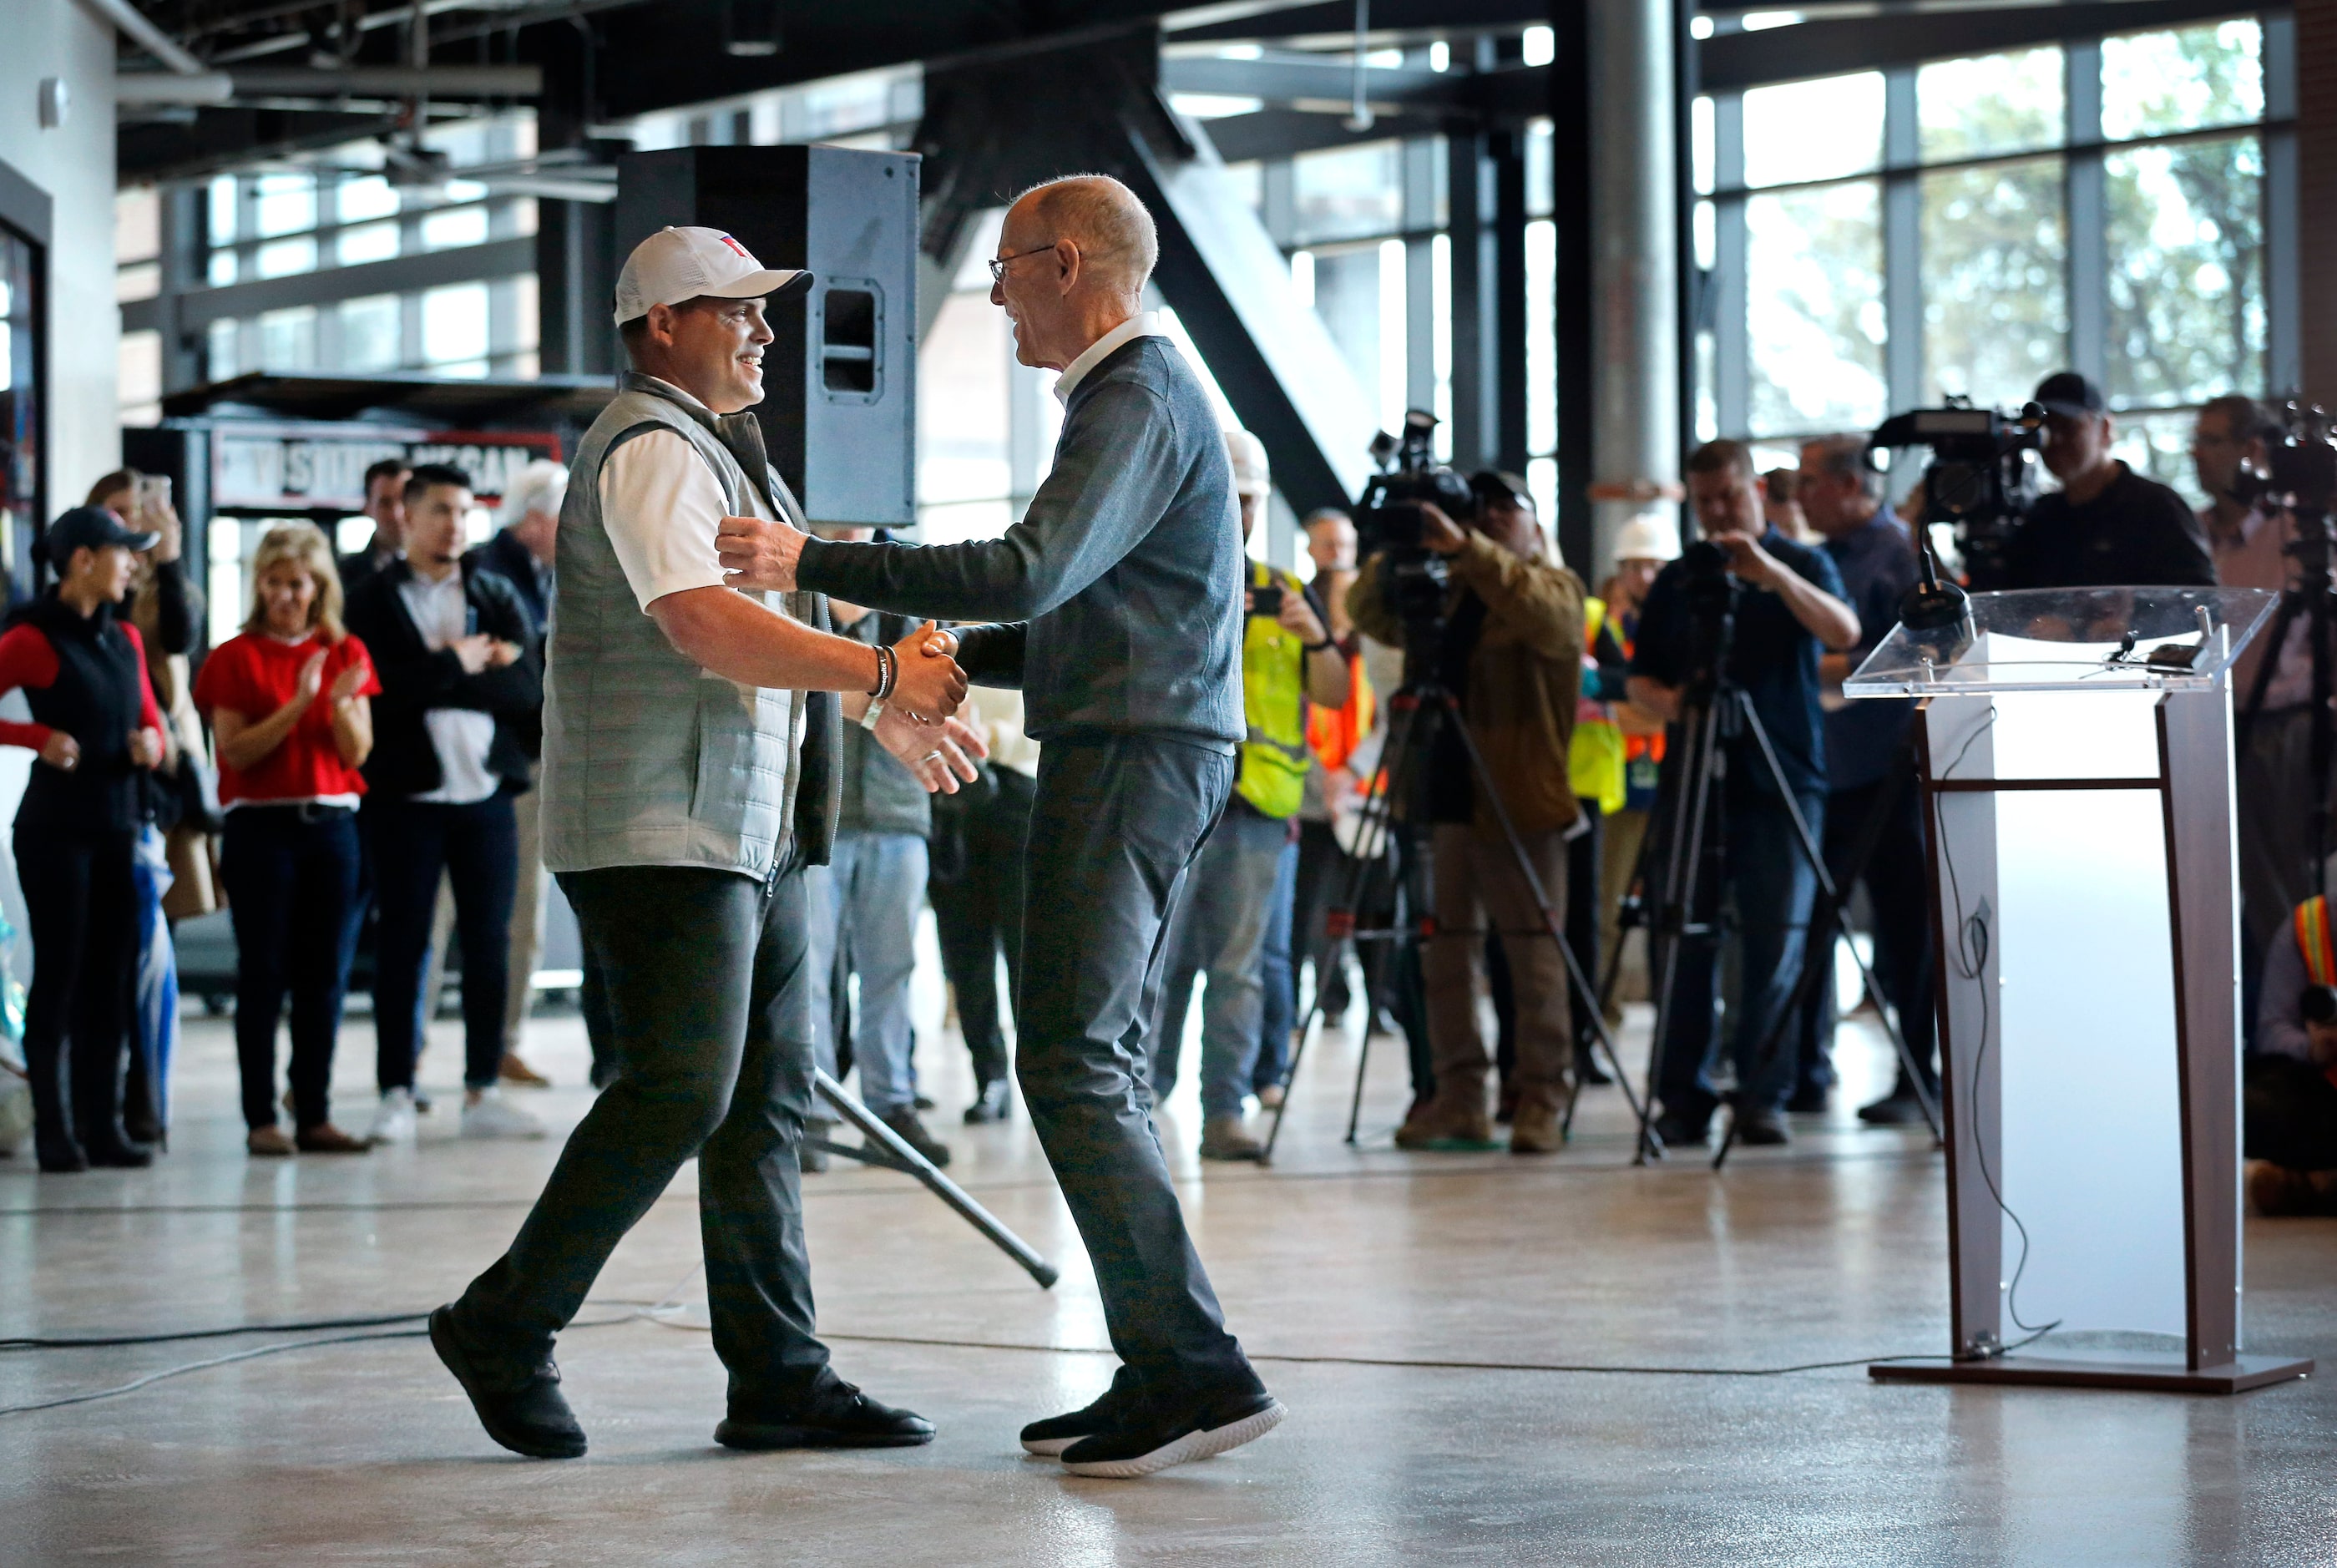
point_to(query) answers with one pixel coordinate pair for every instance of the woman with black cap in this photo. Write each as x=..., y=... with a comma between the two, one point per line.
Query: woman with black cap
x=95, y=726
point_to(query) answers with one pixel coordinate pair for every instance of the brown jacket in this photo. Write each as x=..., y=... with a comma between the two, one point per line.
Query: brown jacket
x=1524, y=674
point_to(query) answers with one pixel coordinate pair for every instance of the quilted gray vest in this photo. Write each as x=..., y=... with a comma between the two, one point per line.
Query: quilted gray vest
x=648, y=761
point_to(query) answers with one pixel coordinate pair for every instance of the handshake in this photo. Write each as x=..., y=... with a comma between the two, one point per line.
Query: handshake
x=918, y=724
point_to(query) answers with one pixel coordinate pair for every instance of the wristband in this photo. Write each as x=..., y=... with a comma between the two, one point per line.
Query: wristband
x=875, y=712
x=1324, y=646
x=889, y=671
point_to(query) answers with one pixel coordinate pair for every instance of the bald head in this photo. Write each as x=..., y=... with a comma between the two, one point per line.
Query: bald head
x=1073, y=257
x=1103, y=218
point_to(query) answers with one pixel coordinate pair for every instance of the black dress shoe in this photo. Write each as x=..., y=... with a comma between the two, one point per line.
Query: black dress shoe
x=1151, y=1434
x=1049, y=1437
x=520, y=1406
x=833, y=1415
x=1898, y=1109
x=912, y=1133
x=1762, y=1130
x=119, y=1155
x=993, y=1101
x=921, y=1101
x=60, y=1156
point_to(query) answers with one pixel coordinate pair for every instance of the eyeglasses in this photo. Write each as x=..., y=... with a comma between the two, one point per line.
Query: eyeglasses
x=998, y=264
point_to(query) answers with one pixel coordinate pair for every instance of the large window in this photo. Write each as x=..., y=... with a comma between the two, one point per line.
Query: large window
x=349, y=207
x=20, y=410
x=1970, y=226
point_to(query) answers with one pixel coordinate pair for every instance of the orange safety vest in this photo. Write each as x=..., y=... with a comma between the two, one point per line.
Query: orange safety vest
x=1333, y=733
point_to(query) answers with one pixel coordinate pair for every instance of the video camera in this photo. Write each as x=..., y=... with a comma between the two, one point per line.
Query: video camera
x=1981, y=479
x=2299, y=470
x=1388, y=524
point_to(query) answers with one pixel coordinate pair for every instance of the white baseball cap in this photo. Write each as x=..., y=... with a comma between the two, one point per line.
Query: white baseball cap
x=677, y=264
x=1247, y=453
x=1649, y=536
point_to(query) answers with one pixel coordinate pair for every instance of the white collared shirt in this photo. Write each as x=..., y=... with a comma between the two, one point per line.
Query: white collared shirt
x=460, y=736
x=1143, y=324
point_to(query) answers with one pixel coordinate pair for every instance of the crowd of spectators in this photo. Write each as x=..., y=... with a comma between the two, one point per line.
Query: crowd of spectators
x=359, y=756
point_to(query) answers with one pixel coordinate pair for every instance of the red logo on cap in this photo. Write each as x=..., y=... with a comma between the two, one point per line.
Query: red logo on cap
x=736, y=246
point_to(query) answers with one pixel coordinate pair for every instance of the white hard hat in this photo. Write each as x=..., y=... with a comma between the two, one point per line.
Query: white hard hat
x=677, y=264
x=1251, y=475
x=1649, y=536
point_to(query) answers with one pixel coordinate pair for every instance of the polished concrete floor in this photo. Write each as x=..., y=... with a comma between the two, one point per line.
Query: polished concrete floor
x=1397, y=1303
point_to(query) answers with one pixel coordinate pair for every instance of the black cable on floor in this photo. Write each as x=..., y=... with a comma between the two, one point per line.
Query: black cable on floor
x=254, y=1354
x=91, y=1341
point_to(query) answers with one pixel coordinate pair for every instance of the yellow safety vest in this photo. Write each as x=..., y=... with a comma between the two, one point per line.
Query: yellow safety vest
x=1274, y=703
x=1594, y=757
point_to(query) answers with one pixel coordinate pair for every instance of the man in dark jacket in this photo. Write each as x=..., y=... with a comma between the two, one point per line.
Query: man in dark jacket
x=2106, y=525
x=522, y=553
x=461, y=671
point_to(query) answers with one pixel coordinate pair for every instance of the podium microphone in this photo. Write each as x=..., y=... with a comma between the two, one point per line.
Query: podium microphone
x=1936, y=604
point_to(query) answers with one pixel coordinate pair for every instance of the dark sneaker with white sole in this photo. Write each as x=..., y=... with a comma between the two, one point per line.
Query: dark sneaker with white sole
x=519, y=1406
x=1150, y=1437
x=1048, y=1438
x=833, y=1415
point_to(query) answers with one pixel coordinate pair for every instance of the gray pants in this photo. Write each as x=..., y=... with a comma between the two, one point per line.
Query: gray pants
x=1116, y=822
x=706, y=992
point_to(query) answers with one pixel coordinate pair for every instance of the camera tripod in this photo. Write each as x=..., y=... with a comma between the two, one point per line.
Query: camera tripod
x=1686, y=845
x=1420, y=709
x=2314, y=599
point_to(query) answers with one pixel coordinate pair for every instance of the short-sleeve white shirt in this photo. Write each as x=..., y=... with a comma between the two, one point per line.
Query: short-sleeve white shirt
x=661, y=505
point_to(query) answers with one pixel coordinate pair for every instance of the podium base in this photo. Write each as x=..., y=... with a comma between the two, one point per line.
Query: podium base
x=2107, y=1369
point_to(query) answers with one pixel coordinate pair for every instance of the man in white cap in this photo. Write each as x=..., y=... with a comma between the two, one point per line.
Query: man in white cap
x=688, y=754
x=1219, y=926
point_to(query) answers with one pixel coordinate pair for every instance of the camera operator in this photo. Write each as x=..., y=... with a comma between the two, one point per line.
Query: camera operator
x=1866, y=763
x=2106, y=526
x=1511, y=652
x=2272, y=773
x=1792, y=611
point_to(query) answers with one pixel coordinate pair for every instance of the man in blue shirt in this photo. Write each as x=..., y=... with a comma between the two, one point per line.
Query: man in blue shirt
x=1867, y=771
x=1790, y=609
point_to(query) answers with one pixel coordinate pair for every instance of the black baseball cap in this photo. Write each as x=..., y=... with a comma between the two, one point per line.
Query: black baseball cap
x=2067, y=393
x=90, y=528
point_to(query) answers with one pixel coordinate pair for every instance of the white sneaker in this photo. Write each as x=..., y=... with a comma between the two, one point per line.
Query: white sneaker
x=492, y=1116
x=394, y=1122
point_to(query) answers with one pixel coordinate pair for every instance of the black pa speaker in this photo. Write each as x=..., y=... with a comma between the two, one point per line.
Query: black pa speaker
x=839, y=409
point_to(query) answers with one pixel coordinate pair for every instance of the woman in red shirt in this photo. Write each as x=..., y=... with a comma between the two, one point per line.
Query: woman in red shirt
x=287, y=699
x=96, y=731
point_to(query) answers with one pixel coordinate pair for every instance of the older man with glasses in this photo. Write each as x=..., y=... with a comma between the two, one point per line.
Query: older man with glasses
x=1121, y=589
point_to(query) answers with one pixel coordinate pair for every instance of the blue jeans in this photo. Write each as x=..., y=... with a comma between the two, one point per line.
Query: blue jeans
x=866, y=904
x=1218, y=929
x=476, y=847
x=290, y=874
x=1770, y=881
x=1279, y=1007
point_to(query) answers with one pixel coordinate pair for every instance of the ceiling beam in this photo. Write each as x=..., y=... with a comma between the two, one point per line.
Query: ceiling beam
x=1839, y=45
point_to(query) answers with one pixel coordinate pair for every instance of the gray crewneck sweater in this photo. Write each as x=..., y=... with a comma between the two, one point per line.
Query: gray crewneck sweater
x=1120, y=587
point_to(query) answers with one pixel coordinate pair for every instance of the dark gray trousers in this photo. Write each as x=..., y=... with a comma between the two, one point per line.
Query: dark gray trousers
x=1116, y=822
x=704, y=994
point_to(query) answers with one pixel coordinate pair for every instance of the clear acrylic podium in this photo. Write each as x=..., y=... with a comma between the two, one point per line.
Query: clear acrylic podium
x=2074, y=750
